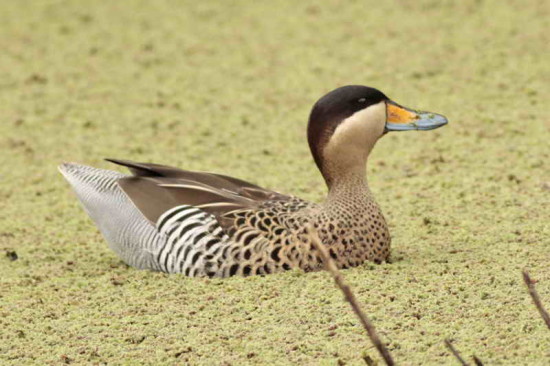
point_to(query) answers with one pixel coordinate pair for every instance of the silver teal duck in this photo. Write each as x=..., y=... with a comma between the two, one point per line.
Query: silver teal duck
x=210, y=225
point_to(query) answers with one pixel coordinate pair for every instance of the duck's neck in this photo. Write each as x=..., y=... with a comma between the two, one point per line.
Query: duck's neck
x=348, y=185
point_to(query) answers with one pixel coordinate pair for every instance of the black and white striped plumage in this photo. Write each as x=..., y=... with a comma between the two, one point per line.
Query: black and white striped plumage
x=186, y=239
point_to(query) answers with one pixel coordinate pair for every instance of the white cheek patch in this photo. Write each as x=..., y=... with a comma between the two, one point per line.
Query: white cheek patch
x=354, y=138
x=363, y=128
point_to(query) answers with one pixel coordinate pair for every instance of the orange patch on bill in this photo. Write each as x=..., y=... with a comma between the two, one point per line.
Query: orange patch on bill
x=397, y=114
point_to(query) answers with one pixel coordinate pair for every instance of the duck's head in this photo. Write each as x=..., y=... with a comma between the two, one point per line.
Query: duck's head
x=345, y=124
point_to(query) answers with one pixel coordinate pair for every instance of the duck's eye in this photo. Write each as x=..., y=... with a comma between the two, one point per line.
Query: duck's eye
x=361, y=100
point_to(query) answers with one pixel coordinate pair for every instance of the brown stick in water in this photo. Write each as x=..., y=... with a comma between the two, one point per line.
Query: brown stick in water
x=455, y=353
x=331, y=267
x=536, y=299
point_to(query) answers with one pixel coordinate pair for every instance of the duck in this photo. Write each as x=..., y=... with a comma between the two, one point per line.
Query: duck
x=203, y=224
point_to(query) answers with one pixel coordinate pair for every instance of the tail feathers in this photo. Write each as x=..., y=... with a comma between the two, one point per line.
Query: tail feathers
x=98, y=191
x=83, y=177
x=122, y=225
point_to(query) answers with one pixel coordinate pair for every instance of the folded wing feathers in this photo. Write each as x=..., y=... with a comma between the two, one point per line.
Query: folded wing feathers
x=219, y=205
x=211, y=194
x=191, y=186
x=156, y=188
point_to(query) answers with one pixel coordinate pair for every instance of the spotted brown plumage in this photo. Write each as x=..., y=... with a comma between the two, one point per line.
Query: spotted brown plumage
x=210, y=225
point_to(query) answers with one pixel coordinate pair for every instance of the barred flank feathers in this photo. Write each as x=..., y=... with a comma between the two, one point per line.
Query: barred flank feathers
x=176, y=244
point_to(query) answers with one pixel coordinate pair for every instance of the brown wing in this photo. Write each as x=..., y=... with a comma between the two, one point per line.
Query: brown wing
x=154, y=189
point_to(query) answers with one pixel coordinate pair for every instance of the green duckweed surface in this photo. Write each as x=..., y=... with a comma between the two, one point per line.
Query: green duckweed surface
x=227, y=87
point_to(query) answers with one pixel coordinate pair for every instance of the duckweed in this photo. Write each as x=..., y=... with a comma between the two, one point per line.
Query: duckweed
x=175, y=82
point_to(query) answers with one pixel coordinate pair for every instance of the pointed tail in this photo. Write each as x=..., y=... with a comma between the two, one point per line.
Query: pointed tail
x=127, y=231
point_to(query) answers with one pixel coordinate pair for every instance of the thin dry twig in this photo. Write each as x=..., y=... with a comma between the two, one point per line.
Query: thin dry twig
x=455, y=353
x=536, y=299
x=331, y=267
x=369, y=361
x=477, y=361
